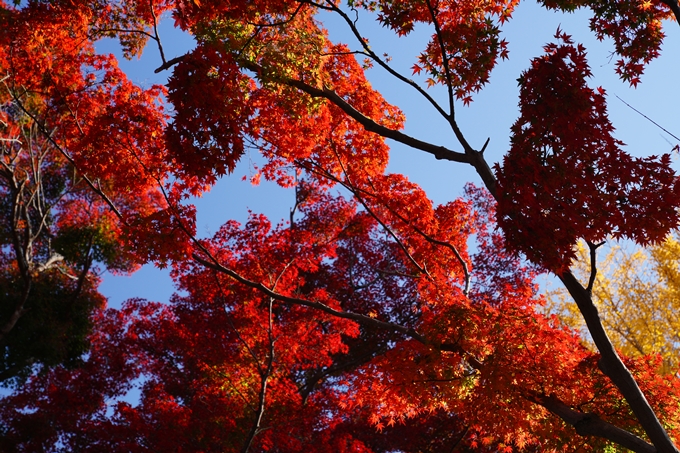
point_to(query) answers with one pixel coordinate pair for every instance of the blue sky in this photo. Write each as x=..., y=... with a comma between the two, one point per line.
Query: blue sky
x=490, y=116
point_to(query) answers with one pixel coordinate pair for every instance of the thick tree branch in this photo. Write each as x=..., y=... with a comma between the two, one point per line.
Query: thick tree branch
x=22, y=245
x=589, y=424
x=611, y=365
x=18, y=311
x=50, y=263
x=357, y=317
x=169, y=64
x=359, y=355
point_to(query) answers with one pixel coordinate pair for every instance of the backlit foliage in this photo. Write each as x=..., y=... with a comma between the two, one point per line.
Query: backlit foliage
x=638, y=294
x=374, y=320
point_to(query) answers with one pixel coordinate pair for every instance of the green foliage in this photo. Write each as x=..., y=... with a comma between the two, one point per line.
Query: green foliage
x=55, y=326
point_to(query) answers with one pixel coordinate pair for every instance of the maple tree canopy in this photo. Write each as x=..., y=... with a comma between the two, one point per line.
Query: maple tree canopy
x=373, y=321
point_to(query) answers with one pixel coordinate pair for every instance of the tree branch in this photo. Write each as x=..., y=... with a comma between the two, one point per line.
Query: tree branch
x=363, y=319
x=63, y=152
x=265, y=374
x=445, y=58
x=585, y=424
x=593, y=267
x=456, y=253
x=589, y=424
x=169, y=64
x=156, y=38
x=439, y=152
x=611, y=365
x=369, y=52
x=355, y=191
x=22, y=244
x=18, y=311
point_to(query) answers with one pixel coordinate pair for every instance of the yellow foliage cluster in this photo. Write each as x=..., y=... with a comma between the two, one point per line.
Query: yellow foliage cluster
x=637, y=292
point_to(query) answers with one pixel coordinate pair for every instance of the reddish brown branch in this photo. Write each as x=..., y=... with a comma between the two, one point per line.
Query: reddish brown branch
x=354, y=190
x=363, y=319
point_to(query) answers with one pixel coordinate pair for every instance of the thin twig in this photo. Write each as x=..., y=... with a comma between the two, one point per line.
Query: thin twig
x=157, y=38
x=455, y=251
x=280, y=23
x=63, y=152
x=265, y=374
x=445, y=59
x=369, y=53
x=125, y=30
x=352, y=188
x=233, y=327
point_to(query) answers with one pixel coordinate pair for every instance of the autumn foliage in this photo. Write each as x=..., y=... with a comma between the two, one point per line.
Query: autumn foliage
x=563, y=133
x=636, y=292
x=373, y=320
